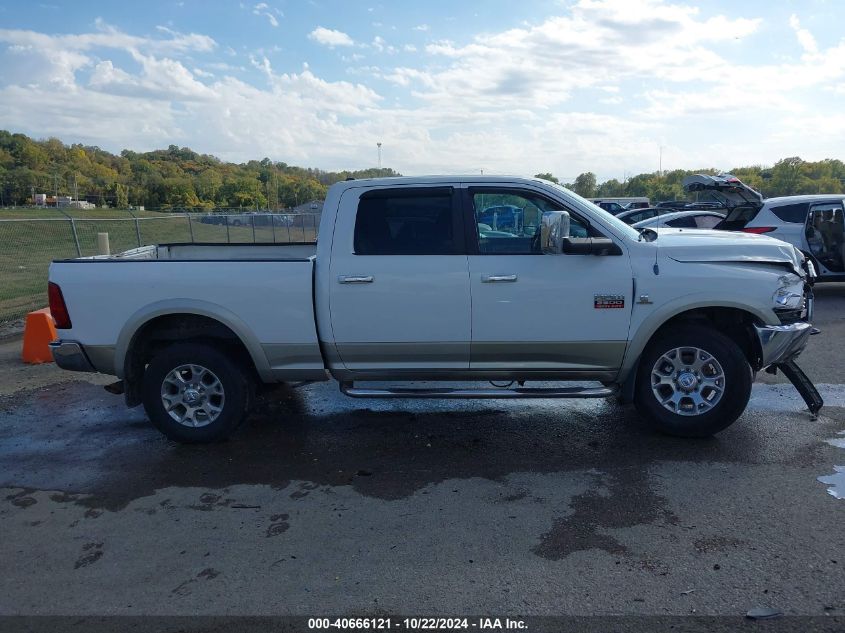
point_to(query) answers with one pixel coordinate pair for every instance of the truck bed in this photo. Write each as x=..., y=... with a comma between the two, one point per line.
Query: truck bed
x=263, y=293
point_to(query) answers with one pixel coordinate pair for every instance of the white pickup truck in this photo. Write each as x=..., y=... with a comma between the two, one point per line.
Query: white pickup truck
x=444, y=280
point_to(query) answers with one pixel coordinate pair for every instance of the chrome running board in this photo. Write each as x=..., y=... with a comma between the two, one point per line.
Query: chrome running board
x=348, y=388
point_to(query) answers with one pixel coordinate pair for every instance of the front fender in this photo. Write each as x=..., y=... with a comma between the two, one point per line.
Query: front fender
x=662, y=314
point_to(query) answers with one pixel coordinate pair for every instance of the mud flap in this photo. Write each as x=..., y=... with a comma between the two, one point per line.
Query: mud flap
x=803, y=384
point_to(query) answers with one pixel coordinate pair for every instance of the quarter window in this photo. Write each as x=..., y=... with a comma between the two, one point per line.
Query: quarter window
x=421, y=222
x=796, y=213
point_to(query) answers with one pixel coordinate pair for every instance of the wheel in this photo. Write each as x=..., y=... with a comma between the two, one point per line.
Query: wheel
x=194, y=393
x=693, y=381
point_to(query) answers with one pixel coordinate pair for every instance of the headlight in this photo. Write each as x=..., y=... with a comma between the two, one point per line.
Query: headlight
x=790, y=295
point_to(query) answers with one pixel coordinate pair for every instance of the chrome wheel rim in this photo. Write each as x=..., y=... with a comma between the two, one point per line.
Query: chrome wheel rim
x=192, y=395
x=688, y=381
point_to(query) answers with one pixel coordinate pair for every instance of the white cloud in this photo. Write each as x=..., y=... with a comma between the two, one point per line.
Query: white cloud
x=330, y=37
x=421, y=27
x=262, y=8
x=597, y=88
x=805, y=38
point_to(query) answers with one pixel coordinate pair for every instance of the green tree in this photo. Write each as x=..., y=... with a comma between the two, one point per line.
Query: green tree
x=585, y=185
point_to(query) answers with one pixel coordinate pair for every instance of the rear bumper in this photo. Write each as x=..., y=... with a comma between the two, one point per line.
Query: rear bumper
x=780, y=343
x=70, y=355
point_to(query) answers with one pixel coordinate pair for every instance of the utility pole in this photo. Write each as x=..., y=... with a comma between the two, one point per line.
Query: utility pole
x=660, y=163
x=378, y=144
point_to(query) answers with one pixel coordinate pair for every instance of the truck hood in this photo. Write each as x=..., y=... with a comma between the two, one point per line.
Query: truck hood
x=697, y=245
x=727, y=189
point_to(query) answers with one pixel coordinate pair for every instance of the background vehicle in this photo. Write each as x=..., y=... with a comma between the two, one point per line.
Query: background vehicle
x=617, y=205
x=407, y=284
x=672, y=204
x=813, y=223
x=633, y=216
x=682, y=220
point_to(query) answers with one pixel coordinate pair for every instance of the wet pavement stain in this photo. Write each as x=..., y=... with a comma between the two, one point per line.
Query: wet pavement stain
x=280, y=524
x=625, y=499
x=185, y=588
x=110, y=456
x=93, y=553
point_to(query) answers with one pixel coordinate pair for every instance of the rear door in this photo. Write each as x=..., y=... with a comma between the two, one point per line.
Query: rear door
x=542, y=312
x=399, y=287
x=825, y=235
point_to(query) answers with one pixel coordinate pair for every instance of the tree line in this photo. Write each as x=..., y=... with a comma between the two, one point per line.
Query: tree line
x=176, y=177
x=788, y=177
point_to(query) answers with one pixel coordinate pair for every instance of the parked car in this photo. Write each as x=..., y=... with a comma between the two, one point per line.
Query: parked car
x=672, y=204
x=682, y=220
x=632, y=216
x=703, y=206
x=399, y=290
x=813, y=223
x=611, y=207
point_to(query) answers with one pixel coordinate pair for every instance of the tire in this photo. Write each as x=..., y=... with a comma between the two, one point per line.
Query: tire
x=701, y=402
x=196, y=374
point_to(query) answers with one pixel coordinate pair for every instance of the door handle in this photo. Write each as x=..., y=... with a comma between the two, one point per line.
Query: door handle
x=355, y=279
x=491, y=279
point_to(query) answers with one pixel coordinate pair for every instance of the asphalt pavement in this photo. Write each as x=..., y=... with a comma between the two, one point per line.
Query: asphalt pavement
x=326, y=505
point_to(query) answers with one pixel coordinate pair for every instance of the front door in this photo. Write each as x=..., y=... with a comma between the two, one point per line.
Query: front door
x=542, y=312
x=399, y=287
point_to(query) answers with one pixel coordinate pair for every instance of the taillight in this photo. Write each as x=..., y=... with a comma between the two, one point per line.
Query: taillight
x=758, y=230
x=57, y=307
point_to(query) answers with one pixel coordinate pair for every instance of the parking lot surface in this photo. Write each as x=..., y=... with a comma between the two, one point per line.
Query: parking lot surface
x=326, y=505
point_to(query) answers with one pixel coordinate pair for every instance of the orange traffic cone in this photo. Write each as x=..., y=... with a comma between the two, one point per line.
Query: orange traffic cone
x=39, y=330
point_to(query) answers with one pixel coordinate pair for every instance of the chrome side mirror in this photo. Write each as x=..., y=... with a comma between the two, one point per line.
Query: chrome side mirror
x=554, y=229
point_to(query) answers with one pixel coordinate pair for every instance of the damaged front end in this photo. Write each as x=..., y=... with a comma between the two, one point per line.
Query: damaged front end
x=780, y=345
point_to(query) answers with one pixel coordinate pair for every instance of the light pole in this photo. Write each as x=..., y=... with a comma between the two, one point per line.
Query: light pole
x=378, y=144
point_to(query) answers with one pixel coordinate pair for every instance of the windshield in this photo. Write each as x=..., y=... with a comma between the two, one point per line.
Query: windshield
x=607, y=217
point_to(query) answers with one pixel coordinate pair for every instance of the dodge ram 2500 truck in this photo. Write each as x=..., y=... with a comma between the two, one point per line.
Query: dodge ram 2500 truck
x=444, y=279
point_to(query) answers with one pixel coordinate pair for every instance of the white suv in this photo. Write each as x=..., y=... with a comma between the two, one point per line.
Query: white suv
x=814, y=223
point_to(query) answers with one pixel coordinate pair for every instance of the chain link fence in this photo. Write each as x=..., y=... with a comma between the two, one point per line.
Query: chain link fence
x=28, y=246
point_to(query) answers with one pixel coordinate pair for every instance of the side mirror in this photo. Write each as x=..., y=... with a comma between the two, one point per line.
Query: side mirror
x=554, y=229
x=590, y=246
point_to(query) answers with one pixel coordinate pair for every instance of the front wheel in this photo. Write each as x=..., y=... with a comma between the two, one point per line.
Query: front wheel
x=692, y=381
x=194, y=393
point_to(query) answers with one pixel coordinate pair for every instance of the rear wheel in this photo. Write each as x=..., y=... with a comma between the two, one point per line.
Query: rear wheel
x=194, y=393
x=692, y=381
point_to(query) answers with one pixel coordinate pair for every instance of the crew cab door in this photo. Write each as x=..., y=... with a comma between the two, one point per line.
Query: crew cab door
x=399, y=290
x=530, y=311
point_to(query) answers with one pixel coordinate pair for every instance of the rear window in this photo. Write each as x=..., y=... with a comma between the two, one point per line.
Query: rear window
x=796, y=213
x=406, y=223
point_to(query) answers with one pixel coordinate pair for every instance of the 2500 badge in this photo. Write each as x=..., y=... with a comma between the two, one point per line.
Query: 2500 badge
x=602, y=302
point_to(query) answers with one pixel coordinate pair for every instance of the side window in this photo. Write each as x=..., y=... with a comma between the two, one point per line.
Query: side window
x=508, y=222
x=682, y=223
x=796, y=213
x=707, y=221
x=420, y=222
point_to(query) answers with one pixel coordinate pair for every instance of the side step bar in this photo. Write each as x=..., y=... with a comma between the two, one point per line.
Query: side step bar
x=349, y=389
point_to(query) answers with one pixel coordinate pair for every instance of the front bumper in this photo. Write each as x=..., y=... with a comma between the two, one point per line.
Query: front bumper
x=70, y=355
x=780, y=343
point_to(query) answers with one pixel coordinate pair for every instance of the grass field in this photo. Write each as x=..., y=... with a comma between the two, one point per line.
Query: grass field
x=28, y=247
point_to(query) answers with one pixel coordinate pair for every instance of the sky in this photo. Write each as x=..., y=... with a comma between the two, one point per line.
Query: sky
x=616, y=87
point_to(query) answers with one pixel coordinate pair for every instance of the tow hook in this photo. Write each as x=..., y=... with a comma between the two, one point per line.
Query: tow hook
x=804, y=386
